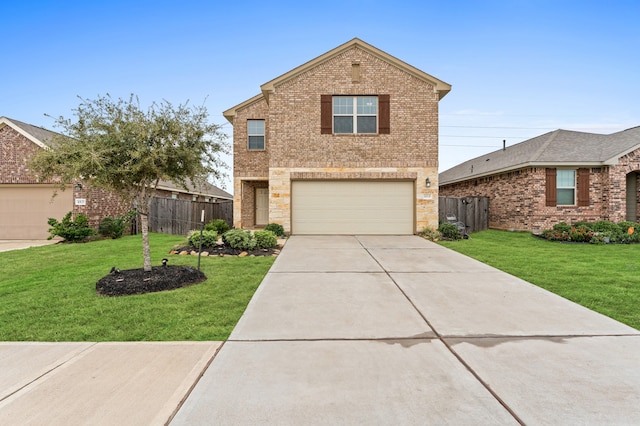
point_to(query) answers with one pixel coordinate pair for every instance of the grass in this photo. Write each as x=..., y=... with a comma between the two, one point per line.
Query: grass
x=48, y=294
x=603, y=278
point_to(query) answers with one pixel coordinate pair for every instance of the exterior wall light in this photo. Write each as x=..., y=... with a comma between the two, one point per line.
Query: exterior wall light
x=428, y=182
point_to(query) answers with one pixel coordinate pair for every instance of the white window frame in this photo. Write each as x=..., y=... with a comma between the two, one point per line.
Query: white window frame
x=250, y=135
x=354, y=114
x=573, y=187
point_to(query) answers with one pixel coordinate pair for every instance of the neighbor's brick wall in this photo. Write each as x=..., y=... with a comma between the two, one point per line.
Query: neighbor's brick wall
x=15, y=153
x=517, y=199
x=294, y=142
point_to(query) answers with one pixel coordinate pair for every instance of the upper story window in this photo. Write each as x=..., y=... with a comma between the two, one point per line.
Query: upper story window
x=566, y=187
x=355, y=114
x=345, y=115
x=255, y=130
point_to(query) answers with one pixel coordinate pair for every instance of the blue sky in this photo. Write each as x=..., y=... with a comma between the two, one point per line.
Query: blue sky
x=519, y=68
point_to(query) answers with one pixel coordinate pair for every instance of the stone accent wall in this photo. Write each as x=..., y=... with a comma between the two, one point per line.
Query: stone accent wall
x=426, y=202
x=294, y=143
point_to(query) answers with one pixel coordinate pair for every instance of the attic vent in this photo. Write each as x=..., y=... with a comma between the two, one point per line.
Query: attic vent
x=355, y=72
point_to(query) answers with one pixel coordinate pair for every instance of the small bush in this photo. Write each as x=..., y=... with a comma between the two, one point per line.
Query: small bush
x=449, y=231
x=209, y=238
x=556, y=235
x=605, y=226
x=111, y=227
x=218, y=225
x=580, y=234
x=562, y=227
x=430, y=234
x=276, y=228
x=239, y=239
x=71, y=230
x=265, y=239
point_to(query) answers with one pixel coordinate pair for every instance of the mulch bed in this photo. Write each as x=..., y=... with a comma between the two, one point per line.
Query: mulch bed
x=137, y=281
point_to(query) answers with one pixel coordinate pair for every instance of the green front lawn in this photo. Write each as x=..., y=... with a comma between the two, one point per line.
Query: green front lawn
x=48, y=294
x=604, y=278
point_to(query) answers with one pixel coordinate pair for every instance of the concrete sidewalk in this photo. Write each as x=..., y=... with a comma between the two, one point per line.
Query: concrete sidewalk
x=398, y=330
x=351, y=330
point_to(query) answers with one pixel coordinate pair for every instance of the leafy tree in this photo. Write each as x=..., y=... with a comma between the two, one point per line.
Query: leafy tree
x=115, y=145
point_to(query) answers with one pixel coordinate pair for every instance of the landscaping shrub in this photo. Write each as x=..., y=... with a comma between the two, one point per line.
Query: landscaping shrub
x=218, y=225
x=71, y=230
x=562, y=226
x=430, y=234
x=239, y=239
x=556, y=235
x=600, y=232
x=111, y=227
x=580, y=234
x=209, y=238
x=276, y=228
x=449, y=231
x=265, y=239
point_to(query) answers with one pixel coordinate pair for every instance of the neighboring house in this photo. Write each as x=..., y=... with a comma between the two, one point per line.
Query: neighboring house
x=559, y=176
x=201, y=192
x=346, y=143
x=26, y=204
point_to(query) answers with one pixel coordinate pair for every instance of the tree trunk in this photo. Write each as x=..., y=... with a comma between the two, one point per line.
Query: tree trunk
x=146, y=250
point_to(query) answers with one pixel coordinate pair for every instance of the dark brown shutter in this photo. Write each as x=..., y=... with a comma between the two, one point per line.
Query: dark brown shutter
x=326, y=114
x=384, y=127
x=583, y=187
x=550, y=188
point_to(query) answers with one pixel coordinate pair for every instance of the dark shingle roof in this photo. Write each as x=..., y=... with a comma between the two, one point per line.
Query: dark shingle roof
x=557, y=148
x=203, y=188
x=44, y=136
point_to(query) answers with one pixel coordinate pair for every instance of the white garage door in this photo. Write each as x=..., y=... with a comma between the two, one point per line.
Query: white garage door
x=352, y=207
x=25, y=209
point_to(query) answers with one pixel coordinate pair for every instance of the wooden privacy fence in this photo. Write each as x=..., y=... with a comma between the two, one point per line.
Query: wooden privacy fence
x=473, y=211
x=178, y=217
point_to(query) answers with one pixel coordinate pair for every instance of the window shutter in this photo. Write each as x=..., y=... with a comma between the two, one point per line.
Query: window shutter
x=583, y=187
x=326, y=114
x=550, y=189
x=384, y=126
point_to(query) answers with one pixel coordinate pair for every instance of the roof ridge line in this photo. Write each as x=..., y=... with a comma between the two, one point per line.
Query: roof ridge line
x=544, y=146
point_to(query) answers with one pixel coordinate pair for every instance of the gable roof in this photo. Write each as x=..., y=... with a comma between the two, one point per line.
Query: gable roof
x=440, y=86
x=201, y=188
x=554, y=149
x=41, y=137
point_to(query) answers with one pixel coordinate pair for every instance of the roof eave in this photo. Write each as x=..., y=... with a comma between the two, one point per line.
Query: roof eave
x=524, y=166
x=7, y=122
x=440, y=86
x=231, y=113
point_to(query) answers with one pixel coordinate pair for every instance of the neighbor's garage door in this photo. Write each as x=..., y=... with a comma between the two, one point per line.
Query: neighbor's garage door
x=352, y=207
x=25, y=209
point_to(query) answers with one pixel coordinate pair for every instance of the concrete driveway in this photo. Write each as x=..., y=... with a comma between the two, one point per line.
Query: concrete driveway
x=8, y=245
x=351, y=330
x=398, y=330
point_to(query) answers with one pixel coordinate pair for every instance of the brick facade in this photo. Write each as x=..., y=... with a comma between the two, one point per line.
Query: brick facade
x=295, y=148
x=517, y=198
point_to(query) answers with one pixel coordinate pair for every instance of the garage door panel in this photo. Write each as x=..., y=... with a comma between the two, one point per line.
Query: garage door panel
x=352, y=207
x=25, y=209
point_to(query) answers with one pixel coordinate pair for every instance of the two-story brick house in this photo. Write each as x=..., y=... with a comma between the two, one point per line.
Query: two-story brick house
x=346, y=143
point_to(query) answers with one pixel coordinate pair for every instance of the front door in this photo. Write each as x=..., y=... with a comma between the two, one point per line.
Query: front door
x=262, y=206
